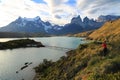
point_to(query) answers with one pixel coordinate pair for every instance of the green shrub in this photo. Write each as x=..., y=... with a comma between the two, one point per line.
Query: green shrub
x=96, y=76
x=93, y=61
x=43, y=66
x=111, y=66
x=82, y=46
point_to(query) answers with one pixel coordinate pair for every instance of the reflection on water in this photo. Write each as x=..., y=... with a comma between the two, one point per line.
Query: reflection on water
x=66, y=42
x=12, y=60
x=8, y=39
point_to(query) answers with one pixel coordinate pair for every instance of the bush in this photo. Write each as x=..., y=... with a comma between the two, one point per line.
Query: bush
x=111, y=66
x=96, y=76
x=43, y=66
x=93, y=61
x=82, y=46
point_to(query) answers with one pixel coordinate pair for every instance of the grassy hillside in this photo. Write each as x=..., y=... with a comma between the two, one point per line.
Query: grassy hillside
x=87, y=62
x=110, y=31
x=82, y=34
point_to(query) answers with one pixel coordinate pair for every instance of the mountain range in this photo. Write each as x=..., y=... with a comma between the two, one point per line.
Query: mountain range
x=36, y=25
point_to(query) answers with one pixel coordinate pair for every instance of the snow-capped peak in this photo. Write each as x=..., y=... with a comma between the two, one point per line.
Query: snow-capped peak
x=32, y=19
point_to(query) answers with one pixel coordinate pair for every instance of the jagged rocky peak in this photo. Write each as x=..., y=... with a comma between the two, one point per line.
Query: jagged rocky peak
x=19, y=18
x=104, y=18
x=47, y=23
x=37, y=18
x=76, y=19
x=86, y=20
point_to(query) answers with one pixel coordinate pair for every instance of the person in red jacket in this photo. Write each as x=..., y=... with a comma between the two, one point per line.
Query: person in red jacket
x=104, y=45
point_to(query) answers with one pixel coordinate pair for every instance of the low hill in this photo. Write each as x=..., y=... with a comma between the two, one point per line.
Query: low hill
x=20, y=35
x=82, y=34
x=110, y=31
x=21, y=43
x=87, y=62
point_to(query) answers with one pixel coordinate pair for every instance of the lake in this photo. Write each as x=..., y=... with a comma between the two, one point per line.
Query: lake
x=12, y=60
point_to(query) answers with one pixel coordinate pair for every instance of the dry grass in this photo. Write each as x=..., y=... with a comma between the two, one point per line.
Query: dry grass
x=83, y=34
x=107, y=31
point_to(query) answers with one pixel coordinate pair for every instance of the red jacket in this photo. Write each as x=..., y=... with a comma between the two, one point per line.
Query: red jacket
x=104, y=45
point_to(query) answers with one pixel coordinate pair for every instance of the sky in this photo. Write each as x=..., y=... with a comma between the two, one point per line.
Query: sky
x=56, y=11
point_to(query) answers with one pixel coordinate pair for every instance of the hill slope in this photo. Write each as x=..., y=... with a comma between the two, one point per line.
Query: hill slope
x=86, y=62
x=110, y=31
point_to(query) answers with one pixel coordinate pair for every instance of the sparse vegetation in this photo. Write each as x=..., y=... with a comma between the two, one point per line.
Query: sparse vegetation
x=82, y=34
x=86, y=62
x=81, y=64
x=109, y=31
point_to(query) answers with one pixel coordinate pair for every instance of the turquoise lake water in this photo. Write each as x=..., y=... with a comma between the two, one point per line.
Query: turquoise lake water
x=12, y=60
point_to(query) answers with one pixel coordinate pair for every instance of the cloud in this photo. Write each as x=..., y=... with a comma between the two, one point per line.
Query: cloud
x=93, y=8
x=58, y=6
x=56, y=11
x=61, y=11
x=53, y=3
x=12, y=9
x=58, y=17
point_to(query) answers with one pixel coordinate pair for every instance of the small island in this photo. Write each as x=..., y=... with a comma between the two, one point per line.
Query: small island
x=21, y=43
